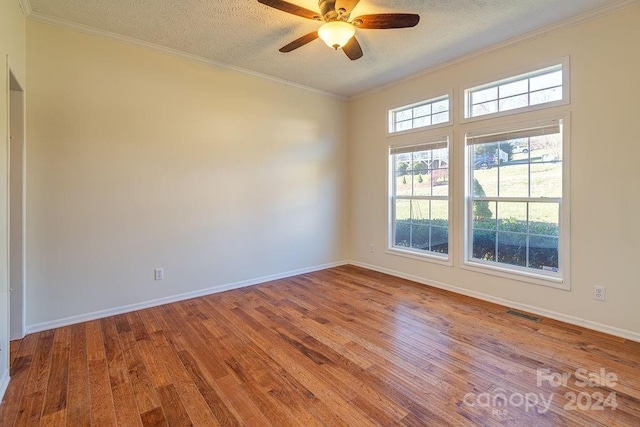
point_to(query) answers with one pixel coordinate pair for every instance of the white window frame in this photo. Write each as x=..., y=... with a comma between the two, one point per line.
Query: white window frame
x=467, y=90
x=443, y=259
x=559, y=280
x=393, y=111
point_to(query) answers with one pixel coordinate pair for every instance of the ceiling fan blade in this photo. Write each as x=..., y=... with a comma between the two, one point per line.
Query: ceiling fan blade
x=383, y=21
x=299, y=42
x=291, y=8
x=352, y=49
x=347, y=5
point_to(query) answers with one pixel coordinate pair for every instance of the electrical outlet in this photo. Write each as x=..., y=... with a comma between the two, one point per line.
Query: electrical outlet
x=600, y=293
x=158, y=274
x=370, y=247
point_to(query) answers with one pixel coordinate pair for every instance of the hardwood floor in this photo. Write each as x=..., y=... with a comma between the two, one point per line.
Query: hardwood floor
x=344, y=346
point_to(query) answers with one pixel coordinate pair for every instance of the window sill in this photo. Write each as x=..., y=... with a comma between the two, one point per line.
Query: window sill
x=520, y=276
x=420, y=256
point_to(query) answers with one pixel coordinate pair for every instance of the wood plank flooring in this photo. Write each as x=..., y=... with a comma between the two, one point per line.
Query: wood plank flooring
x=344, y=346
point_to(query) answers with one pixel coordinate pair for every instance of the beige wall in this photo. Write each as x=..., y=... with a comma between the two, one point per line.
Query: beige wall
x=138, y=159
x=605, y=153
x=12, y=51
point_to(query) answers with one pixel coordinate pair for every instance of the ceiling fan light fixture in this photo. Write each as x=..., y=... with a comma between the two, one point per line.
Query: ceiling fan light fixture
x=336, y=34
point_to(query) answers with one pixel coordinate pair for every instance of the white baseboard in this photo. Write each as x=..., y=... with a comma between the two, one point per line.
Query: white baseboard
x=38, y=327
x=611, y=330
x=4, y=383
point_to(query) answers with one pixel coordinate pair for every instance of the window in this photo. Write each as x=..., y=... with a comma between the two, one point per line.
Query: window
x=420, y=199
x=515, y=199
x=529, y=90
x=428, y=113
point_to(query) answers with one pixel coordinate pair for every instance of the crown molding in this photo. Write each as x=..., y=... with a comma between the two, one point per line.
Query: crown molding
x=38, y=17
x=26, y=7
x=567, y=23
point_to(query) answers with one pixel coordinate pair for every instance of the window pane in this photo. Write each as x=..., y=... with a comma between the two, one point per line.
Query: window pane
x=422, y=181
x=402, y=234
x=519, y=149
x=420, y=237
x=546, y=167
x=484, y=245
x=485, y=108
x=514, y=180
x=546, y=95
x=403, y=223
x=485, y=182
x=543, y=253
x=546, y=81
x=485, y=156
x=514, y=102
x=440, y=212
x=547, y=147
x=440, y=182
x=403, y=210
x=441, y=106
x=512, y=249
x=484, y=215
x=422, y=110
x=546, y=179
x=440, y=239
x=506, y=150
x=403, y=115
x=484, y=95
x=440, y=158
x=544, y=218
x=421, y=122
x=404, y=180
x=512, y=216
x=515, y=88
x=420, y=211
x=403, y=125
x=412, y=172
x=440, y=118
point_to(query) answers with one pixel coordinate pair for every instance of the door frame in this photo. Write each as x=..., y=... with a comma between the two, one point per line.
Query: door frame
x=16, y=208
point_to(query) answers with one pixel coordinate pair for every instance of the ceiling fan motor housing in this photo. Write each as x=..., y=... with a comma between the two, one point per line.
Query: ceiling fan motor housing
x=328, y=9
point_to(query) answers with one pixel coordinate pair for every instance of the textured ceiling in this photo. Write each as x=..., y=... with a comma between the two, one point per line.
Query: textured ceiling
x=246, y=34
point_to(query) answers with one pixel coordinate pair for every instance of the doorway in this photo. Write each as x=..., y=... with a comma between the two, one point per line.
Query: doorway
x=16, y=210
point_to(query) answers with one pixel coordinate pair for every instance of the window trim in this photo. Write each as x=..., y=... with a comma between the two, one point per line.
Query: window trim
x=466, y=90
x=431, y=138
x=391, y=111
x=560, y=281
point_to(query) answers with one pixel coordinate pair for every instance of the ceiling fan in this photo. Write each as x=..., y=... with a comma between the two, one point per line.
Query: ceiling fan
x=338, y=31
